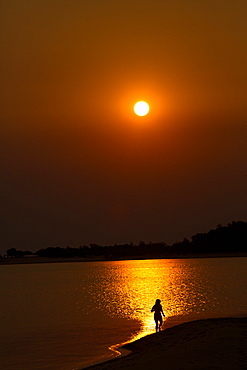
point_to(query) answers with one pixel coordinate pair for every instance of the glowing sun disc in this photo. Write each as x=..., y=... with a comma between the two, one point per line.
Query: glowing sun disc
x=141, y=108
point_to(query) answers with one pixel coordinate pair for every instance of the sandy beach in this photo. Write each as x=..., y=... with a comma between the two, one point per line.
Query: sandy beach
x=204, y=344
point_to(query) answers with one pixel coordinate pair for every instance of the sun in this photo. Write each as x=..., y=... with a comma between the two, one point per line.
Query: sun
x=141, y=108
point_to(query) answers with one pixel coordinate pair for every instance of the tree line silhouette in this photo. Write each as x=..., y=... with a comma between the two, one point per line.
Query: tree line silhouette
x=222, y=240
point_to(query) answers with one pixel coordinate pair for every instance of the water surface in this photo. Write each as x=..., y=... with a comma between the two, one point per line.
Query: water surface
x=65, y=315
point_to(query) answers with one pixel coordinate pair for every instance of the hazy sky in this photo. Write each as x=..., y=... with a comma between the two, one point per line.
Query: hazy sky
x=77, y=165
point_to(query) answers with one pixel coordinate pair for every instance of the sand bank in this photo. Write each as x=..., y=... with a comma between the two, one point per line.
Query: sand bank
x=204, y=344
x=34, y=259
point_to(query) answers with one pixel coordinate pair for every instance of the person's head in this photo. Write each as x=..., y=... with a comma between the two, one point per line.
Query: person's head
x=157, y=301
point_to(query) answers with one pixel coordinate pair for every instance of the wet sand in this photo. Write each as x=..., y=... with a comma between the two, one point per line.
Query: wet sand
x=203, y=344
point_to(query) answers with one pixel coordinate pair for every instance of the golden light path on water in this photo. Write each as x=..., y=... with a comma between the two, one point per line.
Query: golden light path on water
x=130, y=288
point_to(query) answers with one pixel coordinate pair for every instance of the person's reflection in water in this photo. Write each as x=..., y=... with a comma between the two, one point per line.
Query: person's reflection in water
x=158, y=312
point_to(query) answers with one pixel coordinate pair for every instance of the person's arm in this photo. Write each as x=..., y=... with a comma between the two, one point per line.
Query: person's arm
x=162, y=312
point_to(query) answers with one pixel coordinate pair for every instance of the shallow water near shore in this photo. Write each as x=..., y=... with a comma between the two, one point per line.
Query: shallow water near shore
x=65, y=316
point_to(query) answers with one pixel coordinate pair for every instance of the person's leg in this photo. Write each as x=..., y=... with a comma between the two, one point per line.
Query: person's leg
x=160, y=322
x=157, y=325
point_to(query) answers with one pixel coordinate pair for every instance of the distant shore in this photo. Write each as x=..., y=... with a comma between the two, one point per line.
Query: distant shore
x=219, y=343
x=33, y=259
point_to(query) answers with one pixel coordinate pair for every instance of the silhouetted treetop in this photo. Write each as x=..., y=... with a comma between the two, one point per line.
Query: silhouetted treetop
x=224, y=239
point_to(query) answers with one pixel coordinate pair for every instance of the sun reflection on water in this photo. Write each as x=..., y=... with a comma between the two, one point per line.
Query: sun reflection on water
x=129, y=290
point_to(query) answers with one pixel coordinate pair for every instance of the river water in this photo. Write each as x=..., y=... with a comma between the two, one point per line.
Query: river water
x=63, y=316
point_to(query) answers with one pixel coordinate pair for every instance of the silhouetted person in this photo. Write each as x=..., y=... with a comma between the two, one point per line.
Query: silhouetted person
x=158, y=312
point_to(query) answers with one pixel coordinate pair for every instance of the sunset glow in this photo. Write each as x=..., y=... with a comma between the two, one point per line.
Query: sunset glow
x=122, y=121
x=141, y=108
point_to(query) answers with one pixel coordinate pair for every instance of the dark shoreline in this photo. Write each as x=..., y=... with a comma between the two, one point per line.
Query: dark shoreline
x=218, y=343
x=31, y=260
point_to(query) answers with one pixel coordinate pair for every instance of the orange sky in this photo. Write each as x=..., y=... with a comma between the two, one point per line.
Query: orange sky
x=77, y=165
